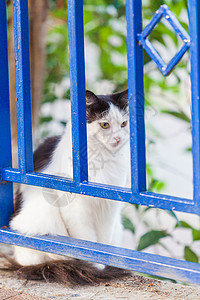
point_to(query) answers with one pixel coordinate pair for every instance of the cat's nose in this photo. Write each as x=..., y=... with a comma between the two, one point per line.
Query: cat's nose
x=117, y=139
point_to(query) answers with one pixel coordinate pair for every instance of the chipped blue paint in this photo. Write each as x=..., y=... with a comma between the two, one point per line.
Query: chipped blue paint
x=6, y=193
x=77, y=90
x=110, y=255
x=103, y=191
x=136, y=97
x=136, y=40
x=23, y=89
x=194, y=19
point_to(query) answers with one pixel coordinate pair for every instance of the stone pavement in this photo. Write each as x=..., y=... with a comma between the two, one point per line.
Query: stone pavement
x=6, y=293
x=136, y=287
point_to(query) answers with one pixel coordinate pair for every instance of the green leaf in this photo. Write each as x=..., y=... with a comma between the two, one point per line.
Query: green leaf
x=180, y=115
x=160, y=186
x=128, y=224
x=195, y=234
x=189, y=255
x=172, y=214
x=151, y=238
x=45, y=119
x=156, y=185
x=149, y=171
x=137, y=207
x=183, y=224
x=189, y=149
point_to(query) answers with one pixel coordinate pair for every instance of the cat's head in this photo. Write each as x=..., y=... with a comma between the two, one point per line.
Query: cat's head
x=107, y=119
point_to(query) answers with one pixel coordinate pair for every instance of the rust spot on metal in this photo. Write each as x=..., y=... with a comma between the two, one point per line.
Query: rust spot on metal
x=3, y=182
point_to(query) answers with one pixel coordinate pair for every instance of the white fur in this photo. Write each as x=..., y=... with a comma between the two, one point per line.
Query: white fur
x=46, y=211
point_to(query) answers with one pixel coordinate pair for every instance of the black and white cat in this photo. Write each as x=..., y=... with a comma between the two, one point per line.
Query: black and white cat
x=42, y=211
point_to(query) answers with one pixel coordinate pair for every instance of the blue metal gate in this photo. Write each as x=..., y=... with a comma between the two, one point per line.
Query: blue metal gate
x=136, y=40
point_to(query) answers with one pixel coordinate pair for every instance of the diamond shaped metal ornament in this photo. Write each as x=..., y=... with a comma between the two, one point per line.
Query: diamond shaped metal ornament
x=164, y=12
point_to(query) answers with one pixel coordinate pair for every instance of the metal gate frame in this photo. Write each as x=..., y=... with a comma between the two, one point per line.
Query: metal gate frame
x=136, y=40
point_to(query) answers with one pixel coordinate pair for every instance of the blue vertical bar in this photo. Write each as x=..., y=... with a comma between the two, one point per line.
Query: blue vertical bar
x=136, y=96
x=23, y=89
x=194, y=28
x=6, y=192
x=77, y=90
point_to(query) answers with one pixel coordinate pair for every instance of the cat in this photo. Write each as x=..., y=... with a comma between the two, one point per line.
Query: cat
x=40, y=211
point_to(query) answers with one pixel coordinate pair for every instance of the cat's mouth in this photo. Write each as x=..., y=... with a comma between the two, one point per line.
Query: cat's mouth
x=114, y=145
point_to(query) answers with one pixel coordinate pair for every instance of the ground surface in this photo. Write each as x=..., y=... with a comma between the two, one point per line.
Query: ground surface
x=137, y=287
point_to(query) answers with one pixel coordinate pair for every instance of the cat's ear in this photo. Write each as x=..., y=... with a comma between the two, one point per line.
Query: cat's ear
x=95, y=107
x=123, y=98
x=91, y=98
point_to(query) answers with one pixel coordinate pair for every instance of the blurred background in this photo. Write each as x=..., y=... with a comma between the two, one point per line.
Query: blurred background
x=167, y=106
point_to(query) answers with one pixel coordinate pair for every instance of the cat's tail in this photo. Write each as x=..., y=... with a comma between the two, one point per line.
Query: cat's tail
x=73, y=272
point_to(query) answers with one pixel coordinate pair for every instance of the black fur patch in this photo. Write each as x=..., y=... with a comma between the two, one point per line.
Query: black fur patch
x=41, y=158
x=18, y=204
x=72, y=272
x=43, y=154
x=95, y=107
x=98, y=105
x=118, y=99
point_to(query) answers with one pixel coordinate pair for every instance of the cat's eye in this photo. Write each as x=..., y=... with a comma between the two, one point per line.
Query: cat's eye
x=104, y=125
x=124, y=124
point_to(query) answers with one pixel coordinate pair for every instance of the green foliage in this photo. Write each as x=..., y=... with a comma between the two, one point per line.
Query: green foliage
x=195, y=234
x=101, y=29
x=57, y=60
x=45, y=119
x=180, y=115
x=172, y=214
x=151, y=238
x=183, y=224
x=155, y=185
x=189, y=255
x=128, y=224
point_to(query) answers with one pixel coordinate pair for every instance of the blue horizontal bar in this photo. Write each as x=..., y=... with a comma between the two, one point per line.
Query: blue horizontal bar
x=109, y=255
x=101, y=191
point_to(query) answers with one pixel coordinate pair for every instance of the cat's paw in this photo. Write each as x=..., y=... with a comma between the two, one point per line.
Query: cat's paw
x=99, y=266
